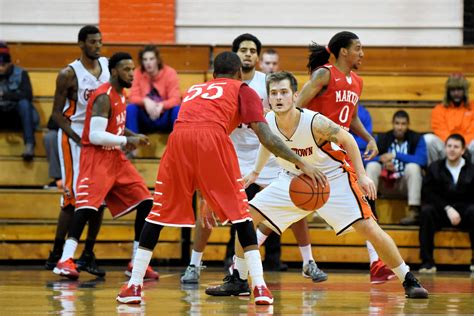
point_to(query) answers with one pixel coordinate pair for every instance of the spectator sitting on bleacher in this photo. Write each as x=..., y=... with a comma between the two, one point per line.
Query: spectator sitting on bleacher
x=453, y=116
x=447, y=194
x=154, y=97
x=402, y=155
x=52, y=155
x=16, y=97
x=366, y=120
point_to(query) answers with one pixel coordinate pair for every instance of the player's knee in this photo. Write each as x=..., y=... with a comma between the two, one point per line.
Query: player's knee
x=149, y=236
x=246, y=233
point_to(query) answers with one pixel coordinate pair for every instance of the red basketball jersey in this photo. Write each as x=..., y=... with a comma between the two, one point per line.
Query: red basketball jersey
x=116, y=124
x=216, y=101
x=340, y=98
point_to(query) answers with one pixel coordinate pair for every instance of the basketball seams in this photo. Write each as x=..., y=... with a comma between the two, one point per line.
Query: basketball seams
x=302, y=188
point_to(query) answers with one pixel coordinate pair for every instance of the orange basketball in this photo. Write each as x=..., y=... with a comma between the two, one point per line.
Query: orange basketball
x=305, y=196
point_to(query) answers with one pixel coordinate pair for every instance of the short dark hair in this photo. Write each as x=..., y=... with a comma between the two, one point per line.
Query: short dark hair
x=319, y=54
x=401, y=114
x=246, y=37
x=270, y=51
x=116, y=58
x=280, y=76
x=86, y=30
x=150, y=48
x=227, y=63
x=458, y=137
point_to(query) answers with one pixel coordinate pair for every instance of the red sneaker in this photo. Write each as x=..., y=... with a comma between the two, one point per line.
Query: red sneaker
x=262, y=295
x=130, y=294
x=67, y=268
x=150, y=274
x=380, y=273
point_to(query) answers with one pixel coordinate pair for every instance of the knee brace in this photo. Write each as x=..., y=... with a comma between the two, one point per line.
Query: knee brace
x=246, y=233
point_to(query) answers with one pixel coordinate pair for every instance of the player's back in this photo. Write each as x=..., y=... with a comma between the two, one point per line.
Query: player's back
x=341, y=97
x=215, y=102
x=75, y=110
x=327, y=157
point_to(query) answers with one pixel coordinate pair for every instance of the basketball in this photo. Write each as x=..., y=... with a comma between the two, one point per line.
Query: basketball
x=305, y=196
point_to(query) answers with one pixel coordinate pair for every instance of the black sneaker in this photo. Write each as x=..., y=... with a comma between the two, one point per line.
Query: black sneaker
x=233, y=286
x=413, y=288
x=52, y=260
x=87, y=263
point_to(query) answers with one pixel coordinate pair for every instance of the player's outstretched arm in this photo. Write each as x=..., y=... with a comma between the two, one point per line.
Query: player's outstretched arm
x=64, y=82
x=262, y=158
x=326, y=130
x=275, y=145
x=319, y=80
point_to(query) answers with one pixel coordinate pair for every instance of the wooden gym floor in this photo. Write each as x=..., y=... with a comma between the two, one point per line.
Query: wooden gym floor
x=29, y=291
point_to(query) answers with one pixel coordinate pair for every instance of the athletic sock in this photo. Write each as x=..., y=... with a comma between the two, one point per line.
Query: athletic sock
x=140, y=263
x=241, y=266
x=254, y=264
x=261, y=237
x=69, y=249
x=306, y=253
x=401, y=271
x=134, y=249
x=373, y=255
x=196, y=258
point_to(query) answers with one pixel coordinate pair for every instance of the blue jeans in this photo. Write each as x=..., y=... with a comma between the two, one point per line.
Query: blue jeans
x=138, y=120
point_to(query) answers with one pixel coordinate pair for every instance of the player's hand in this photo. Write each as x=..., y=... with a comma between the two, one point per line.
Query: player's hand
x=315, y=174
x=207, y=218
x=453, y=215
x=250, y=178
x=368, y=187
x=371, y=150
x=138, y=140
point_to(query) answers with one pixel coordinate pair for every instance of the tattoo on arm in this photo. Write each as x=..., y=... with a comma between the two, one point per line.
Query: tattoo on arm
x=273, y=143
x=326, y=129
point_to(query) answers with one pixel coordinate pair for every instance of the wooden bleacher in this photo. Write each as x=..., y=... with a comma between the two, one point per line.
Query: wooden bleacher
x=394, y=78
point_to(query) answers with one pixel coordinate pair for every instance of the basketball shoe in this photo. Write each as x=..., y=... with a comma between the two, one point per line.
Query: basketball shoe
x=262, y=295
x=67, y=268
x=191, y=275
x=413, y=288
x=52, y=260
x=130, y=294
x=87, y=263
x=149, y=274
x=427, y=268
x=233, y=286
x=311, y=270
x=380, y=273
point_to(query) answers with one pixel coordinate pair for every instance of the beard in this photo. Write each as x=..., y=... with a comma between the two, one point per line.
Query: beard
x=123, y=83
x=91, y=56
x=247, y=68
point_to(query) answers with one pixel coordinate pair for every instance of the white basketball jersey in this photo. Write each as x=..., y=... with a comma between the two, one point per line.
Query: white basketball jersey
x=328, y=158
x=87, y=83
x=246, y=141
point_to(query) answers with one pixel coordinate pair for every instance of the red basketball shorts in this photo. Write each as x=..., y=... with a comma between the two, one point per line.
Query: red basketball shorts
x=108, y=175
x=198, y=157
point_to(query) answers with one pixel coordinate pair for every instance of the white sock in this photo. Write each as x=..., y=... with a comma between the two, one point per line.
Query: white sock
x=241, y=266
x=261, y=237
x=69, y=249
x=140, y=263
x=306, y=253
x=254, y=264
x=196, y=258
x=134, y=249
x=373, y=255
x=401, y=271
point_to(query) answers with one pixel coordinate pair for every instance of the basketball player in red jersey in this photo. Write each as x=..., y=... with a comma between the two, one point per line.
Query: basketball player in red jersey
x=74, y=85
x=334, y=90
x=200, y=155
x=104, y=172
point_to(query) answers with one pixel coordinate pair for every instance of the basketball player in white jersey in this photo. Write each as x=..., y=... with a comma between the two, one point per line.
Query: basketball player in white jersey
x=74, y=85
x=316, y=139
x=246, y=144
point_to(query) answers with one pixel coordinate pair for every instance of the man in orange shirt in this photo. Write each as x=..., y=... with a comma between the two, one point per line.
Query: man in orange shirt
x=154, y=97
x=454, y=115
